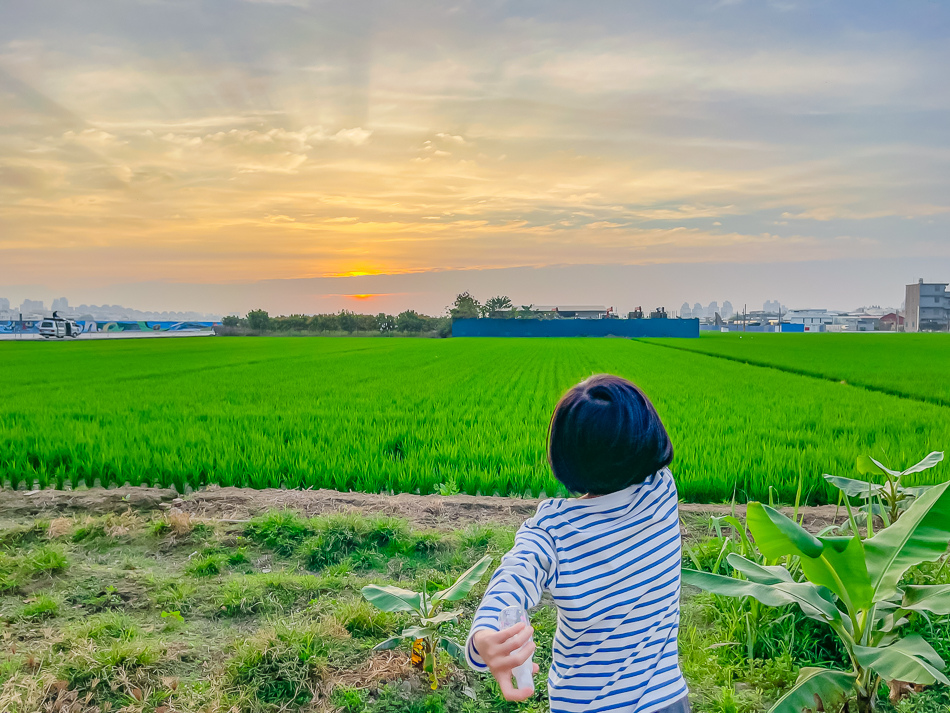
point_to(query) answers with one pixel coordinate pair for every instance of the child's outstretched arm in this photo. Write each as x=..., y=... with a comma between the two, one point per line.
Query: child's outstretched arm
x=525, y=572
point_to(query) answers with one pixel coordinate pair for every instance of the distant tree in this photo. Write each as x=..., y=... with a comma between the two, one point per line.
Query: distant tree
x=526, y=312
x=385, y=322
x=348, y=322
x=325, y=323
x=258, y=320
x=465, y=307
x=292, y=323
x=365, y=323
x=232, y=320
x=410, y=321
x=501, y=303
x=442, y=326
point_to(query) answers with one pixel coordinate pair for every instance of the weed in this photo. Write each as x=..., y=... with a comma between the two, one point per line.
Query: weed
x=279, y=531
x=281, y=667
x=158, y=528
x=207, y=565
x=363, y=620
x=119, y=674
x=90, y=531
x=172, y=594
x=349, y=700
x=42, y=607
x=21, y=534
x=108, y=626
x=271, y=592
x=18, y=570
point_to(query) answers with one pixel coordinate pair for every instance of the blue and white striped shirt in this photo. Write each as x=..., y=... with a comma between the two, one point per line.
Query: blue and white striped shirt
x=612, y=567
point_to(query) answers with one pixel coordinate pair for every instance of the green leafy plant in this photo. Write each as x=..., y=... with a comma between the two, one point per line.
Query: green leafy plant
x=428, y=615
x=853, y=586
x=890, y=498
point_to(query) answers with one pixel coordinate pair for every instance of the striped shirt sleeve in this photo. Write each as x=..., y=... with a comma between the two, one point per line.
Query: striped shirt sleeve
x=524, y=574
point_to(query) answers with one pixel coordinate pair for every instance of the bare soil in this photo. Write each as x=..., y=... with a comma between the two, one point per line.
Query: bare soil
x=424, y=511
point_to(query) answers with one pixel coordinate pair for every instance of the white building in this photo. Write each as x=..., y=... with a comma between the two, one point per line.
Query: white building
x=573, y=311
x=927, y=307
x=815, y=320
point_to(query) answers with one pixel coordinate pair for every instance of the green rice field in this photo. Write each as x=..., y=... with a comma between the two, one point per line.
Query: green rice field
x=458, y=415
x=911, y=365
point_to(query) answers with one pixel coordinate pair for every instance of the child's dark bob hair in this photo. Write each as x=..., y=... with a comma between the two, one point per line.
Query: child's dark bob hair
x=605, y=436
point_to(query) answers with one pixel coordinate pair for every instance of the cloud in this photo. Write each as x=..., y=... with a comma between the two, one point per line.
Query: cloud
x=354, y=137
x=314, y=139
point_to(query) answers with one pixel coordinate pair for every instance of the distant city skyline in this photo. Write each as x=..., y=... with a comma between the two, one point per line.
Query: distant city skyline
x=623, y=287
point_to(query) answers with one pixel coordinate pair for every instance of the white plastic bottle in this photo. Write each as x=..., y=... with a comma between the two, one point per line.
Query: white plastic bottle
x=508, y=617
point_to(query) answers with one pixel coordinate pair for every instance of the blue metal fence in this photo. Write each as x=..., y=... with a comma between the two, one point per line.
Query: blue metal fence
x=630, y=328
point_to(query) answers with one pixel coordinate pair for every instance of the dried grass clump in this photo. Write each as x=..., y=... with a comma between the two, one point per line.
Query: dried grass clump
x=60, y=527
x=179, y=522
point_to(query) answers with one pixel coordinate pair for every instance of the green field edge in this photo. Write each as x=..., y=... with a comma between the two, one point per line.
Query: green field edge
x=936, y=401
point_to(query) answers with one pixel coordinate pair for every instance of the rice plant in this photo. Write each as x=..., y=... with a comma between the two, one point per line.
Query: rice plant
x=379, y=415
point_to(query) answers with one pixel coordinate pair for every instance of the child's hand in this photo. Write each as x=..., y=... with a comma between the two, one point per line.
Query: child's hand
x=499, y=651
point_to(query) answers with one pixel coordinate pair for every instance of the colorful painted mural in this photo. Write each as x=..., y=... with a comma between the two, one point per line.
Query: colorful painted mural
x=17, y=327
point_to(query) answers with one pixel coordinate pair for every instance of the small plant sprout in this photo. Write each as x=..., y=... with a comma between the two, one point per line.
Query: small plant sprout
x=889, y=499
x=428, y=615
x=853, y=585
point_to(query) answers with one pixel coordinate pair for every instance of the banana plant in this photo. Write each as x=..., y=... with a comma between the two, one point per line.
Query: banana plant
x=427, y=611
x=890, y=498
x=852, y=585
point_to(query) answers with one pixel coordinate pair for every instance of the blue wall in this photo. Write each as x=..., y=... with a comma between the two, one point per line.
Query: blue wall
x=575, y=328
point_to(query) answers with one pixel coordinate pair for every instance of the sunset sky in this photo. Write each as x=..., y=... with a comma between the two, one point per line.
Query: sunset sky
x=167, y=154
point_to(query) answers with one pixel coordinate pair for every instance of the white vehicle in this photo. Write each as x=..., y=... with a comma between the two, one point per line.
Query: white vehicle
x=58, y=327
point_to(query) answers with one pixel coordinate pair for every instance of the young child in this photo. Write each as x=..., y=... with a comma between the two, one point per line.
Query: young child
x=610, y=561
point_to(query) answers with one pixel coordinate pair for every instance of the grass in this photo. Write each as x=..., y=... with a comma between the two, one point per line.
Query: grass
x=175, y=634
x=459, y=415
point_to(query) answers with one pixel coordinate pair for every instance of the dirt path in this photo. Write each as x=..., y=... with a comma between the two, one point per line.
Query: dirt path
x=427, y=511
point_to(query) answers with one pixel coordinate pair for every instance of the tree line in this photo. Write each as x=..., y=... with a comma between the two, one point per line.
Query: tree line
x=410, y=322
x=465, y=306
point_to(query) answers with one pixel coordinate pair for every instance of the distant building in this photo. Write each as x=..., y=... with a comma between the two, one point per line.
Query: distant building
x=814, y=320
x=727, y=310
x=573, y=311
x=31, y=307
x=892, y=322
x=927, y=307
x=712, y=310
x=685, y=311
x=772, y=307
x=60, y=305
x=699, y=312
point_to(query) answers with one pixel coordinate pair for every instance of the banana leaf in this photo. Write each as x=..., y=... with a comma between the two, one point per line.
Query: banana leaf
x=814, y=601
x=453, y=648
x=929, y=461
x=832, y=687
x=920, y=535
x=854, y=488
x=464, y=584
x=909, y=659
x=762, y=574
x=392, y=599
x=837, y=563
x=934, y=598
